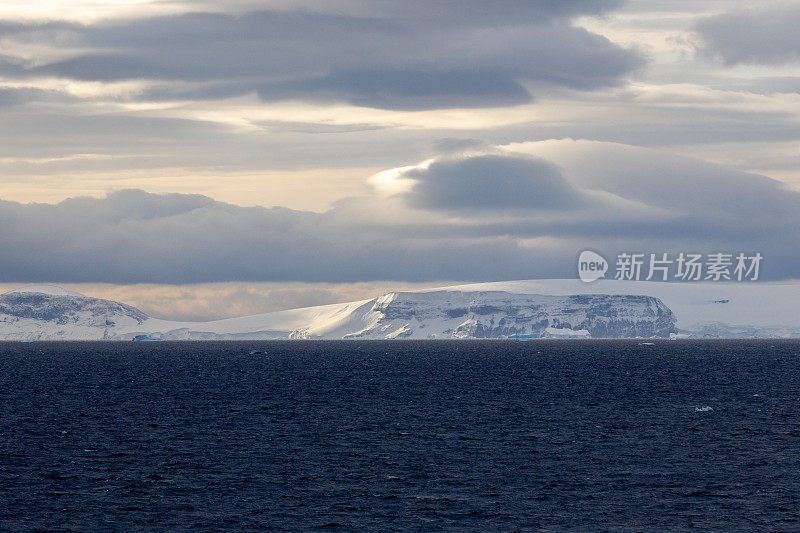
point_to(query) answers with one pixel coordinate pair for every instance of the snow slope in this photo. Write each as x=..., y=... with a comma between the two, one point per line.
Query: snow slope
x=550, y=308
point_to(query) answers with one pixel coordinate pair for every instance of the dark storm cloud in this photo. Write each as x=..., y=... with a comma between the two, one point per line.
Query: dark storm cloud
x=427, y=55
x=470, y=12
x=600, y=190
x=617, y=197
x=491, y=182
x=406, y=89
x=756, y=36
x=137, y=237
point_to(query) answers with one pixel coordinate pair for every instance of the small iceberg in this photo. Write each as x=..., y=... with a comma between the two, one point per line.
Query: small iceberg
x=146, y=338
x=704, y=409
x=646, y=344
x=258, y=352
x=523, y=337
x=566, y=333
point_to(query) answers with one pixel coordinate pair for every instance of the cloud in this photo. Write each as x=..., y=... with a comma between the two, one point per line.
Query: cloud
x=662, y=180
x=490, y=182
x=767, y=36
x=133, y=236
x=24, y=95
x=427, y=55
x=611, y=198
x=406, y=89
x=155, y=95
x=457, y=12
x=10, y=97
x=616, y=194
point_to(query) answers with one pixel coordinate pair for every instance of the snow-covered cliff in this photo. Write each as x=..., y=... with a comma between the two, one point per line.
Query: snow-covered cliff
x=456, y=314
x=536, y=308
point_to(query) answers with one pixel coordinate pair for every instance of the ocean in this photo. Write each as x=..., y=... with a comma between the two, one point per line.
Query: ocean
x=400, y=436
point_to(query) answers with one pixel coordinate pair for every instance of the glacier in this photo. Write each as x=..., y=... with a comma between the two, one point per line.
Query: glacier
x=548, y=308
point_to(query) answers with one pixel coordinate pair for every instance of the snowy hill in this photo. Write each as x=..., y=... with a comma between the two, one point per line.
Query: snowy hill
x=48, y=312
x=538, y=308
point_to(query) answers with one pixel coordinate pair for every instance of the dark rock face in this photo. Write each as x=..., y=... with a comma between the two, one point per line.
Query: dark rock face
x=500, y=314
x=609, y=316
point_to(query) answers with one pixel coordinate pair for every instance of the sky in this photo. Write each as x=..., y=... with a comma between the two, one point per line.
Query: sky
x=209, y=159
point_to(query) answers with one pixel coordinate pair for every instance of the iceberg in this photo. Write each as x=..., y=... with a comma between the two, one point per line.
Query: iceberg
x=145, y=338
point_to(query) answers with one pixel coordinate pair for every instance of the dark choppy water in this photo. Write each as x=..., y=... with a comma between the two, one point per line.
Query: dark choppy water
x=473, y=436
